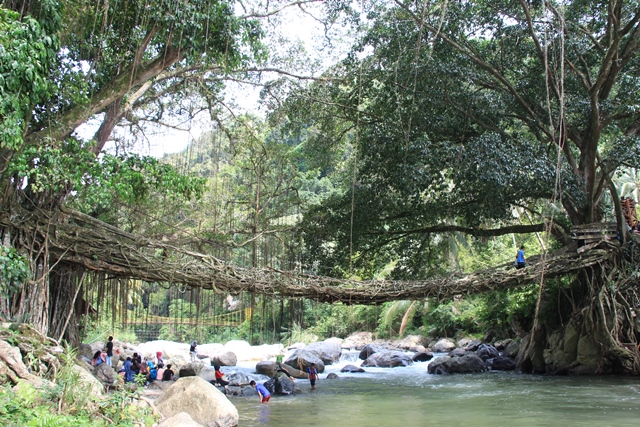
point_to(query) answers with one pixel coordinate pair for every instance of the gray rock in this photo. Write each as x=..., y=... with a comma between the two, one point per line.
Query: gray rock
x=351, y=368
x=369, y=350
x=443, y=346
x=468, y=363
x=302, y=359
x=328, y=351
x=457, y=352
x=201, y=400
x=228, y=358
x=473, y=345
x=387, y=359
x=487, y=351
x=266, y=367
x=332, y=376
x=501, y=363
x=191, y=369
x=105, y=373
x=422, y=356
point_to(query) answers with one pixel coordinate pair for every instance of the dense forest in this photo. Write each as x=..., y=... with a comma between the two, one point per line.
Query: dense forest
x=450, y=135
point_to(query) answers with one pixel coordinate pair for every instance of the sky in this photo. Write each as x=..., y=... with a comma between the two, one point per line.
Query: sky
x=293, y=25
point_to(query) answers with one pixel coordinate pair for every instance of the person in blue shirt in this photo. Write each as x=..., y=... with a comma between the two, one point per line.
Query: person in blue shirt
x=520, y=261
x=128, y=371
x=263, y=393
x=312, y=372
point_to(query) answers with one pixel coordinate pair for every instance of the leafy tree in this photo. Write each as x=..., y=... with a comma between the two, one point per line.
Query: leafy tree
x=454, y=114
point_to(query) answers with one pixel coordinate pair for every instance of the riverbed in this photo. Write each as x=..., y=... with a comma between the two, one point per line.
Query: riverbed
x=408, y=397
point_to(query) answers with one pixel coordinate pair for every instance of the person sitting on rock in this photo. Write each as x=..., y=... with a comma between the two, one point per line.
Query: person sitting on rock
x=280, y=368
x=220, y=379
x=128, y=371
x=263, y=393
x=167, y=375
x=97, y=359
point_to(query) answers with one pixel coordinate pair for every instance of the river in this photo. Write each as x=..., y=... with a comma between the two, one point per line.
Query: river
x=408, y=397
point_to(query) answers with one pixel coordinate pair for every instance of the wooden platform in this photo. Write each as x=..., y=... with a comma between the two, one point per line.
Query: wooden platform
x=593, y=233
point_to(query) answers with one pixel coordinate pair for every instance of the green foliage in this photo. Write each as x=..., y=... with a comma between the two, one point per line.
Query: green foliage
x=28, y=48
x=14, y=271
x=68, y=403
x=339, y=320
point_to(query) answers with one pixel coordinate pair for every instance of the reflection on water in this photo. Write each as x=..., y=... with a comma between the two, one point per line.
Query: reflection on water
x=410, y=397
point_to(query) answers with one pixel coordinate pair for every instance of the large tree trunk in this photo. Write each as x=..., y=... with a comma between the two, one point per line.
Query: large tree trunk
x=597, y=334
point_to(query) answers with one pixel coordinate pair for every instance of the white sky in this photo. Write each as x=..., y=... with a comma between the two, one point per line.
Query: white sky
x=294, y=26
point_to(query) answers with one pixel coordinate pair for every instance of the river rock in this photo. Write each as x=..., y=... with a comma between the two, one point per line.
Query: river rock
x=358, y=340
x=105, y=373
x=91, y=383
x=501, y=363
x=280, y=384
x=328, y=351
x=445, y=345
x=302, y=359
x=351, y=368
x=201, y=400
x=191, y=369
x=511, y=350
x=238, y=379
x=473, y=345
x=387, y=359
x=266, y=367
x=332, y=376
x=468, y=363
x=410, y=342
x=369, y=350
x=422, y=356
x=502, y=344
x=487, y=351
x=180, y=420
x=457, y=352
x=227, y=358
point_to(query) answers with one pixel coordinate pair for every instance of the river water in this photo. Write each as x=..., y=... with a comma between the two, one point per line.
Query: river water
x=408, y=397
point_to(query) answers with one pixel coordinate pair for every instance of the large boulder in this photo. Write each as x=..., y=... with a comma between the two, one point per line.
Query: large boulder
x=422, y=356
x=280, y=384
x=369, y=350
x=302, y=359
x=501, y=363
x=511, y=350
x=91, y=384
x=105, y=373
x=201, y=400
x=444, y=345
x=410, y=342
x=468, y=363
x=191, y=369
x=226, y=358
x=180, y=420
x=357, y=340
x=387, y=359
x=473, y=345
x=457, y=352
x=351, y=368
x=266, y=367
x=238, y=379
x=487, y=351
x=328, y=351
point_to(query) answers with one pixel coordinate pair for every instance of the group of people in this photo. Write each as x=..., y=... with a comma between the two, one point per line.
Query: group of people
x=264, y=394
x=134, y=366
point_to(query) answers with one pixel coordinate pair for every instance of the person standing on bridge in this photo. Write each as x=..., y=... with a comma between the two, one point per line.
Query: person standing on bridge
x=520, y=261
x=192, y=350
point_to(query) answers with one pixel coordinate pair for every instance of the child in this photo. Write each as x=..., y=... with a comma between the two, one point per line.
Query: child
x=263, y=393
x=313, y=375
x=220, y=379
